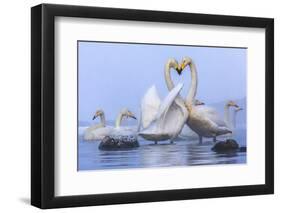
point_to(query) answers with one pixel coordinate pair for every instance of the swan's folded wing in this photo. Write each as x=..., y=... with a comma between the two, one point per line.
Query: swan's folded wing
x=168, y=101
x=149, y=106
x=211, y=114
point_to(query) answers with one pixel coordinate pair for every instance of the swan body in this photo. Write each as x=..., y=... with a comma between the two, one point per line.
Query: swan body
x=124, y=132
x=206, y=122
x=187, y=133
x=99, y=131
x=121, y=131
x=203, y=120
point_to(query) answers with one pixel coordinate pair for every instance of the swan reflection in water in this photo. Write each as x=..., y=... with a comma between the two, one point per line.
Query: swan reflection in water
x=149, y=155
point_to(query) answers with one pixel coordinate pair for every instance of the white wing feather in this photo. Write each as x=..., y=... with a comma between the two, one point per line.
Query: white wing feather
x=168, y=101
x=169, y=119
x=149, y=106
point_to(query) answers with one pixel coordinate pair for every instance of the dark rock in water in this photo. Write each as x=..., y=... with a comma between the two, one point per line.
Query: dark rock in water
x=229, y=145
x=243, y=149
x=122, y=142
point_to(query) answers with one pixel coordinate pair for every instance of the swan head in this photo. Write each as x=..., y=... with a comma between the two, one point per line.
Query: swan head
x=197, y=102
x=185, y=62
x=232, y=104
x=98, y=113
x=173, y=63
x=128, y=113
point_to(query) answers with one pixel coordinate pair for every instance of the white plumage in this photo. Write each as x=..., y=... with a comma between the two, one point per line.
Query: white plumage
x=99, y=131
x=162, y=120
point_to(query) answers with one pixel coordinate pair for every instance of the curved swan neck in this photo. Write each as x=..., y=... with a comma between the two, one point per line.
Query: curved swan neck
x=119, y=119
x=193, y=86
x=102, y=119
x=168, y=78
x=171, y=63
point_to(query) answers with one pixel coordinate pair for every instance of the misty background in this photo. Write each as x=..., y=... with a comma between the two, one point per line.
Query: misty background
x=112, y=76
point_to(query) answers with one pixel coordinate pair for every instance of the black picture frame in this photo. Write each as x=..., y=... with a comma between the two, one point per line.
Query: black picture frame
x=43, y=105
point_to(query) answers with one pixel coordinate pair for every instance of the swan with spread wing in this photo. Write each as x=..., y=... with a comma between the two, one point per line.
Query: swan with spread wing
x=163, y=120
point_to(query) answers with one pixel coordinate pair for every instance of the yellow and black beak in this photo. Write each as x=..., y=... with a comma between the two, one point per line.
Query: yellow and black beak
x=179, y=70
x=131, y=115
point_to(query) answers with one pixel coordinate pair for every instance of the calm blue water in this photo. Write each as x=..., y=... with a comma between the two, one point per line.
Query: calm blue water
x=164, y=154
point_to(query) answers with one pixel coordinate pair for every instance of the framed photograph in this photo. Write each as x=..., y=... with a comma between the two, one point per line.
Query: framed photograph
x=139, y=106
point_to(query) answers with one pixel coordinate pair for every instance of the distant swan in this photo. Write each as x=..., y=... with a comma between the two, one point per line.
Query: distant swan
x=99, y=131
x=227, y=118
x=203, y=120
x=163, y=120
x=234, y=116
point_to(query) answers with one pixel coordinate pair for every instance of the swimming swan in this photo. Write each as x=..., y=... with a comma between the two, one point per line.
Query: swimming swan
x=99, y=131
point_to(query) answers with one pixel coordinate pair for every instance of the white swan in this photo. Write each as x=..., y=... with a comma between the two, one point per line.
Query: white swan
x=124, y=132
x=99, y=131
x=227, y=119
x=187, y=133
x=203, y=120
x=163, y=120
x=234, y=116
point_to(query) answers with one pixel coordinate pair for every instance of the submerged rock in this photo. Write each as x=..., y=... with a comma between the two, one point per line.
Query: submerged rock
x=117, y=143
x=243, y=149
x=229, y=145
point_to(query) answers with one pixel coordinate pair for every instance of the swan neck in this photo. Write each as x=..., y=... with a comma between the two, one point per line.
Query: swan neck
x=102, y=119
x=119, y=120
x=234, y=119
x=193, y=86
x=169, y=81
x=168, y=78
x=226, y=115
